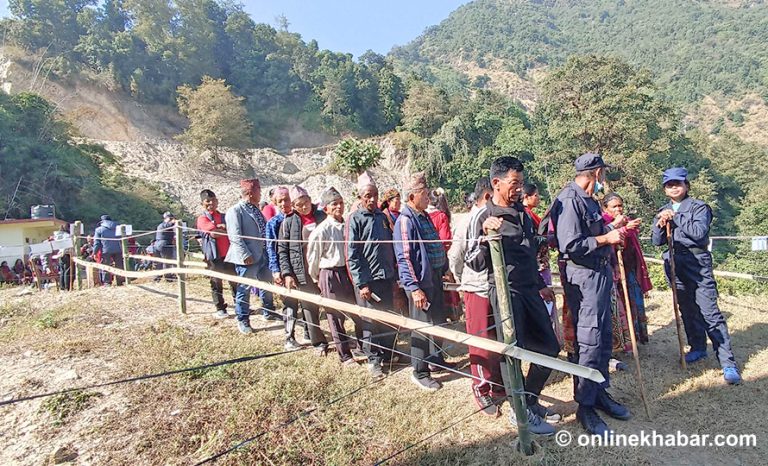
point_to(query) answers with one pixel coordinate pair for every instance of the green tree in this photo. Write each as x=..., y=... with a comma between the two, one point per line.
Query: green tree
x=353, y=156
x=216, y=116
x=425, y=109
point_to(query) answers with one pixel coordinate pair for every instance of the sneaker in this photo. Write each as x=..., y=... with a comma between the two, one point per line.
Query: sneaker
x=220, y=314
x=545, y=413
x=693, y=356
x=443, y=366
x=292, y=345
x=591, y=421
x=426, y=383
x=271, y=317
x=375, y=370
x=244, y=326
x=611, y=407
x=731, y=375
x=359, y=355
x=487, y=405
x=536, y=425
x=321, y=350
x=616, y=365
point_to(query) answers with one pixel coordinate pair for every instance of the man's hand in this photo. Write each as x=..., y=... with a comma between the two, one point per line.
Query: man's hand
x=547, y=294
x=365, y=293
x=277, y=278
x=248, y=260
x=491, y=223
x=664, y=217
x=420, y=300
x=614, y=237
x=290, y=282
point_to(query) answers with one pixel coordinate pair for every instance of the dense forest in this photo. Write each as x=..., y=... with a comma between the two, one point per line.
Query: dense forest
x=694, y=48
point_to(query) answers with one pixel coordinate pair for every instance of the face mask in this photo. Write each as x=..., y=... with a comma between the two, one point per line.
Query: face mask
x=599, y=186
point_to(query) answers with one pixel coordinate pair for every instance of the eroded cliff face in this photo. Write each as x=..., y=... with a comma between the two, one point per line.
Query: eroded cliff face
x=182, y=171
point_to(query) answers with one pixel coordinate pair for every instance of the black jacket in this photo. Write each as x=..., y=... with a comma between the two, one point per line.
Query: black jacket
x=519, y=243
x=291, y=249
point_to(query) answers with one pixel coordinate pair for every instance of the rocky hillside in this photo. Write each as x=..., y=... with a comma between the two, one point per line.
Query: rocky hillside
x=181, y=171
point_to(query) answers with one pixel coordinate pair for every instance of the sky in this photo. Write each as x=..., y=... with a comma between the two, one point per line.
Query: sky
x=352, y=26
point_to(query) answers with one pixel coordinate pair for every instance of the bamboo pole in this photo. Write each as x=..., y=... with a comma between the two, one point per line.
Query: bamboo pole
x=181, y=278
x=126, y=260
x=632, y=336
x=389, y=317
x=514, y=380
x=675, y=304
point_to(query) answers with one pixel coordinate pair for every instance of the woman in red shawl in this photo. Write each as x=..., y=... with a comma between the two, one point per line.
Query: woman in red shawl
x=638, y=281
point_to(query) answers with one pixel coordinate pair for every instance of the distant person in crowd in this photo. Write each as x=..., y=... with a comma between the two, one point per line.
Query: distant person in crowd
x=440, y=214
x=421, y=265
x=390, y=205
x=487, y=383
x=165, y=242
x=532, y=200
x=215, y=244
x=22, y=271
x=690, y=220
x=106, y=246
x=371, y=265
x=247, y=249
x=638, y=280
x=86, y=250
x=7, y=275
x=63, y=258
x=292, y=254
x=505, y=213
x=326, y=261
x=269, y=209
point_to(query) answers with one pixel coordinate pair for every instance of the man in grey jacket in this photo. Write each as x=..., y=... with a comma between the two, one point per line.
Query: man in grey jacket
x=105, y=240
x=247, y=248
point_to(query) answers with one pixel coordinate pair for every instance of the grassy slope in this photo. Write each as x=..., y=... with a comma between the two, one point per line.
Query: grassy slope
x=49, y=341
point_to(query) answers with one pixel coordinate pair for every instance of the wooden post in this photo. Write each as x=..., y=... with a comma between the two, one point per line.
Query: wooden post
x=631, y=321
x=673, y=285
x=180, y=264
x=76, y=253
x=514, y=378
x=126, y=254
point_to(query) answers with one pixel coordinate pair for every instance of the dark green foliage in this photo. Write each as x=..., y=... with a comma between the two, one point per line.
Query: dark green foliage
x=694, y=48
x=353, y=156
x=151, y=47
x=82, y=181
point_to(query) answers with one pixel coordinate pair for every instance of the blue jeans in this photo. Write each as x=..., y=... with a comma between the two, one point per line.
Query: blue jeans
x=243, y=293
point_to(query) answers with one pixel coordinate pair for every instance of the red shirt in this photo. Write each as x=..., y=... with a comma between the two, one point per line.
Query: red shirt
x=443, y=227
x=536, y=219
x=222, y=240
x=269, y=211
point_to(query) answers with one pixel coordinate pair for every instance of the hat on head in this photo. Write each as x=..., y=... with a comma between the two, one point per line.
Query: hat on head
x=363, y=181
x=250, y=185
x=590, y=161
x=674, y=174
x=281, y=190
x=390, y=194
x=105, y=217
x=207, y=194
x=297, y=192
x=330, y=195
x=168, y=215
x=416, y=182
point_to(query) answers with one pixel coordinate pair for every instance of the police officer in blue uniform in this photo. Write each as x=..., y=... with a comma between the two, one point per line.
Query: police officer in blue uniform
x=696, y=287
x=584, y=241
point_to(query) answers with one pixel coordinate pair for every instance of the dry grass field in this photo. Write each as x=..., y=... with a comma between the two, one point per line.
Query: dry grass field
x=51, y=341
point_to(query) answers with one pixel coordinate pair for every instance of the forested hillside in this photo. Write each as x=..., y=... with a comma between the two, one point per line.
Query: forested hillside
x=694, y=48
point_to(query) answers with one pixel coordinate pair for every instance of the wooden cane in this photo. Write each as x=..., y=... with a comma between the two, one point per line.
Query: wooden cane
x=632, y=337
x=675, y=305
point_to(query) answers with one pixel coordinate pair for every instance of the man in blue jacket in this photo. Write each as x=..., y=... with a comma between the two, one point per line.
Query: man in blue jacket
x=247, y=248
x=105, y=240
x=695, y=282
x=421, y=264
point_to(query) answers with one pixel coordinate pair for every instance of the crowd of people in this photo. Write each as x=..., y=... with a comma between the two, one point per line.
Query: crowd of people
x=395, y=252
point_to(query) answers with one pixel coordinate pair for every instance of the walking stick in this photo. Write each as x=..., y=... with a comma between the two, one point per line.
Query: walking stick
x=632, y=337
x=675, y=305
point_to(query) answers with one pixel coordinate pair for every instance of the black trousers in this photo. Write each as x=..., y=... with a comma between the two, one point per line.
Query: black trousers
x=426, y=349
x=217, y=284
x=533, y=329
x=335, y=284
x=375, y=345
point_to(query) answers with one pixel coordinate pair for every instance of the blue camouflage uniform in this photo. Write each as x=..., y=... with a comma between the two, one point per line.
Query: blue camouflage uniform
x=695, y=282
x=587, y=284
